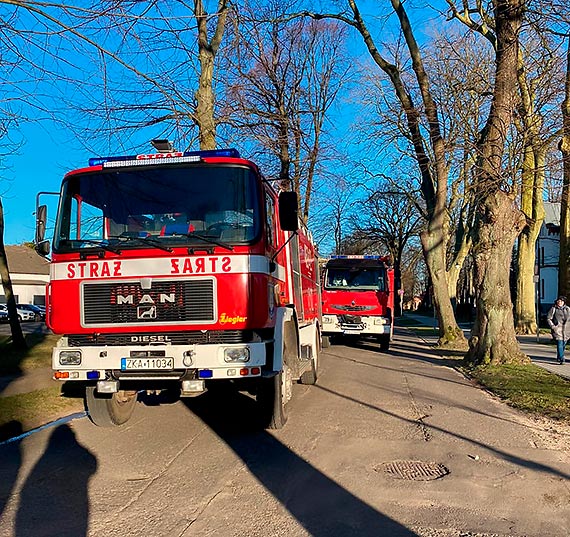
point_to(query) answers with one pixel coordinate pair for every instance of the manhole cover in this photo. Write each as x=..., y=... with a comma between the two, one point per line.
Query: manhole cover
x=414, y=470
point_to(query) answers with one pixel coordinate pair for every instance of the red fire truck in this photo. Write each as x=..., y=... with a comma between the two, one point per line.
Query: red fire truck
x=358, y=298
x=180, y=270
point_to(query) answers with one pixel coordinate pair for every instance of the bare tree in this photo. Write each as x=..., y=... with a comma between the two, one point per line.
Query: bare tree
x=207, y=50
x=287, y=77
x=498, y=221
x=432, y=163
x=387, y=217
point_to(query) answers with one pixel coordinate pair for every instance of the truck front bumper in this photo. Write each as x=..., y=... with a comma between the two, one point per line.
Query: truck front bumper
x=159, y=362
x=364, y=325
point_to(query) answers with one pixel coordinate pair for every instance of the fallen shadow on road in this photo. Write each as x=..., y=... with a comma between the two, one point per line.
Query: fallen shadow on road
x=398, y=353
x=320, y=505
x=11, y=457
x=54, y=499
x=525, y=463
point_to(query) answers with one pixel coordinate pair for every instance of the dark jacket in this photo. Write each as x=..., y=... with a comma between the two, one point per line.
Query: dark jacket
x=559, y=321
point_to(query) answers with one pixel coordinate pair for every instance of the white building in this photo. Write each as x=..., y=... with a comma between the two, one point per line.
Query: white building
x=547, y=254
x=29, y=273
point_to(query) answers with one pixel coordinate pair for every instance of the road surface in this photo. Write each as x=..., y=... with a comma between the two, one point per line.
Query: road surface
x=386, y=444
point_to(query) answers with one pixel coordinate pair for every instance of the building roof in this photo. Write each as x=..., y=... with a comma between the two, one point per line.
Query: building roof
x=551, y=213
x=24, y=260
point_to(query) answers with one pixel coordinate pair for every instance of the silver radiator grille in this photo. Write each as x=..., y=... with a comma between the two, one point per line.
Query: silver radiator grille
x=166, y=301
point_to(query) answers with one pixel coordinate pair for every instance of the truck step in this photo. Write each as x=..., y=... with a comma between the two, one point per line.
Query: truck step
x=306, y=352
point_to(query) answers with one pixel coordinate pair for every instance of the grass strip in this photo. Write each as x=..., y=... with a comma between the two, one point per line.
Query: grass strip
x=28, y=410
x=38, y=353
x=527, y=387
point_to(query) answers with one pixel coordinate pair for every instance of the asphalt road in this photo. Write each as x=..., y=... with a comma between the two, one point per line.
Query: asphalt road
x=386, y=444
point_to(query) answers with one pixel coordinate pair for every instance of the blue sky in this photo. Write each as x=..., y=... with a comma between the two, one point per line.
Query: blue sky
x=48, y=152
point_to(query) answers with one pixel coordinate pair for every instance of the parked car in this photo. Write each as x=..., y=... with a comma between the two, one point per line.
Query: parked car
x=39, y=311
x=3, y=315
x=23, y=314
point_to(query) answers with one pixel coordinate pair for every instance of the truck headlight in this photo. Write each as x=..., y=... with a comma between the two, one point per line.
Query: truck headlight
x=236, y=354
x=380, y=320
x=327, y=319
x=70, y=357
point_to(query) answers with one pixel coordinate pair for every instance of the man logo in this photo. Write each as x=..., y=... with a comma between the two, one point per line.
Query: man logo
x=146, y=312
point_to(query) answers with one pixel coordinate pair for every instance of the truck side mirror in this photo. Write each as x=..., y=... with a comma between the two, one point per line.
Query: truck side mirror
x=41, y=244
x=289, y=211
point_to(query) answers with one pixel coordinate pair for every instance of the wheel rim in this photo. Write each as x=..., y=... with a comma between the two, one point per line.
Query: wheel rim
x=286, y=384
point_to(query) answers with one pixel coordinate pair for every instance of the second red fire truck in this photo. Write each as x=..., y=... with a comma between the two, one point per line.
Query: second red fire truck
x=358, y=298
x=177, y=270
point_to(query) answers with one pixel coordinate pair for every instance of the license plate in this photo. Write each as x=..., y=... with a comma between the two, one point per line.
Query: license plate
x=147, y=363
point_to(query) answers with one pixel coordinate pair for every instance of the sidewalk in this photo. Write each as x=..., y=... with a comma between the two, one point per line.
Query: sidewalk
x=542, y=353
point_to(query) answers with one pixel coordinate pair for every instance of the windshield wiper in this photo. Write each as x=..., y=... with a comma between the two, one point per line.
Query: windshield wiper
x=98, y=243
x=192, y=235
x=142, y=240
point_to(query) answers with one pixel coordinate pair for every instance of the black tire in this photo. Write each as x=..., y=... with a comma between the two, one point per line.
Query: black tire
x=310, y=376
x=37, y=317
x=109, y=411
x=271, y=402
x=384, y=342
x=270, y=398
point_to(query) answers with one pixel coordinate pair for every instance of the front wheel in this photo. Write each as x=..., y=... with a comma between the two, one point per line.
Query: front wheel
x=106, y=411
x=272, y=397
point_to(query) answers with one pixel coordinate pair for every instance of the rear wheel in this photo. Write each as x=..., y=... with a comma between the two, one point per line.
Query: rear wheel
x=106, y=411
x=384, y=342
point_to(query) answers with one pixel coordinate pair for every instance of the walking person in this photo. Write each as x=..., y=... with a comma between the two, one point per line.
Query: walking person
x=558, y=319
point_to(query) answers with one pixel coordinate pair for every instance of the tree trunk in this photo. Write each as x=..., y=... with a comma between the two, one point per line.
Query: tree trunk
x=18, y=339
x=564, y=146
x=434, y=252
x=207, y=50
x=498, y=221
x=533, y=207
x=492, y=336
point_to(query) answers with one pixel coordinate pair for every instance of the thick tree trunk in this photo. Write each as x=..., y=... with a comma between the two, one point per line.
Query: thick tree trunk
x=434, y=252
x=492, y=337
x=498, y=221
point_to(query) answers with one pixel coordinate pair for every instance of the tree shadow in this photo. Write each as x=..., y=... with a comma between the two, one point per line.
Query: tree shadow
x=514, y=459
x=55, y=494
x=11, y=457
x=322, y=506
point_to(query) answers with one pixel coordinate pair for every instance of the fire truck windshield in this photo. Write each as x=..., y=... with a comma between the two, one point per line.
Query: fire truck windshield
x=163, y=206
x=363, y=279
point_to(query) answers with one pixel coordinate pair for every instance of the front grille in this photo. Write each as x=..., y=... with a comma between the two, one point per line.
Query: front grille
x=352, y=308
x=167, y=301
x=194, y=337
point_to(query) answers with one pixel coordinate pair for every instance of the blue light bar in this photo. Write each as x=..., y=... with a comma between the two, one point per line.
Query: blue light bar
x=173, y=157
x=92, y=375
x=357, y=257
x=205, y=374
